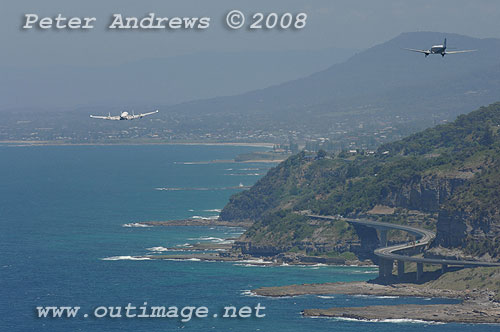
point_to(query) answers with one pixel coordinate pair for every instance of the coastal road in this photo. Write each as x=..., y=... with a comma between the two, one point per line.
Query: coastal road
x=390, y=252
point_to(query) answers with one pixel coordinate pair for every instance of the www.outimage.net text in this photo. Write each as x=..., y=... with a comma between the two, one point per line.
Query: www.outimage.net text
x=184, y=314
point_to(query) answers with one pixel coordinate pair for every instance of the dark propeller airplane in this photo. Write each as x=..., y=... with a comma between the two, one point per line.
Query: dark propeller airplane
x=438, y=49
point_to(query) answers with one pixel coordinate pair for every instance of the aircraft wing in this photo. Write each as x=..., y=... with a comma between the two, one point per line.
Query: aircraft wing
x=464, y=51
x=419, y=51
x=138, y=116
x=115, y=117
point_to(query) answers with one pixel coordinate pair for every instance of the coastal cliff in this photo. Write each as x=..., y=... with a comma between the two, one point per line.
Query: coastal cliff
x=469, y=222
x=425, y=193
x=446, y=178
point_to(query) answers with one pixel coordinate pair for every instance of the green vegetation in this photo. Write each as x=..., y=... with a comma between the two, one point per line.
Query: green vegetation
x=347, y=255
x=453, y=167
x=292, y=232
x=281, y=229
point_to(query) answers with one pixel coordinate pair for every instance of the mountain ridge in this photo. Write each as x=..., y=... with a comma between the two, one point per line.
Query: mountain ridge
x=369, y=62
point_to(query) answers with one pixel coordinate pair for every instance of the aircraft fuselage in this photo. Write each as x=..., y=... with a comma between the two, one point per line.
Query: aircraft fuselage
x=124, y=116
x=438, y=49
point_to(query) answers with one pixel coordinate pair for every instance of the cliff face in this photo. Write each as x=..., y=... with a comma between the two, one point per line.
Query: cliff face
x=424, y=194
x=451, y=228
x=461, y=234
x=470, y=220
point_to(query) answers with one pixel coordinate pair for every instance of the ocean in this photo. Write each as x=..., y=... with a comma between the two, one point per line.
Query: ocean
x=67, y=235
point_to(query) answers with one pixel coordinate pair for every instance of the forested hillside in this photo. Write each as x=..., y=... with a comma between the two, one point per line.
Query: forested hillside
x=445, y=178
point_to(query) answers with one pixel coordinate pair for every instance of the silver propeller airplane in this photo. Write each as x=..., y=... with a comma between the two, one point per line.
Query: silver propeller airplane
x=438, y=49
x=123, y=116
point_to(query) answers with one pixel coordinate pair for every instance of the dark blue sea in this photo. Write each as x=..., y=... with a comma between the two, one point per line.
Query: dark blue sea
x=65, y=240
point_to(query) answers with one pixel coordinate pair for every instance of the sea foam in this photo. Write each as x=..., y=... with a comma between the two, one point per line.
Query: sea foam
x=213, y=210
x=135, y=224
x=390, y=320
x=205, y=218
x=158, y=249
x=125, y=258
x=248, y=292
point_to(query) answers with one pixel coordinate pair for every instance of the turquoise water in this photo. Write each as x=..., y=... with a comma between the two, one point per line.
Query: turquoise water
x=63, y=241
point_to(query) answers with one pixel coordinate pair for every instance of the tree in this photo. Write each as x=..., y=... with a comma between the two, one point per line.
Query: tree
x=321, y=154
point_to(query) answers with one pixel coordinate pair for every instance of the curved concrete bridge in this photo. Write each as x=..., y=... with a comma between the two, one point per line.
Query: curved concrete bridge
x=389, y=254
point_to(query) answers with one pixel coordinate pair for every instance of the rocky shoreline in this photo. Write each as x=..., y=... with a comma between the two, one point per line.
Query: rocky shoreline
x=225, y=255
x=232, y=252
x=361, y=288
x=476, y=307
x=442, y=313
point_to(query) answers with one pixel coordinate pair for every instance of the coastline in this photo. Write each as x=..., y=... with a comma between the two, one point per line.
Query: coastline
x=224, y=255
x=469, y=313
x=476, y=306
x=226, y=251
x=357, y=288
x=53, y=143
x=242, y=144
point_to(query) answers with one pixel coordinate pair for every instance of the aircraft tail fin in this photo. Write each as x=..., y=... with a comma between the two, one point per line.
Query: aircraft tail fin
x=444, y=44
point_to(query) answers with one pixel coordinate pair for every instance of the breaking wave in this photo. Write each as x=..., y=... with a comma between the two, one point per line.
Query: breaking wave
x=205, y=218
x=212, y=239
x=158, y=249
x=248, y=292
x=253, y=262
x=135, y=224
x=377, y=296
x=125, y=258
x=389, y=320
x=183, y=259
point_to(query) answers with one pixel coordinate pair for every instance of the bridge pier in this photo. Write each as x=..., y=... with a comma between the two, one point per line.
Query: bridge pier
x=385, y=267
x=389, y=264
x=420, y=270
x=444, y=268
x=401, y=269
x=383, y=237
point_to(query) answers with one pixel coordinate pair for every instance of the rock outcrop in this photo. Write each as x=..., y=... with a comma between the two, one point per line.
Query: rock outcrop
x=425, y=194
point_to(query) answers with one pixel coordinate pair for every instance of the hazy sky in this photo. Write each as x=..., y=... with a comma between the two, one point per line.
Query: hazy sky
x=331, y=23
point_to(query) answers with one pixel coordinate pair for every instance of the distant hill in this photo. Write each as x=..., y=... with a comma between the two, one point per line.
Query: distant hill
x=159, y=80
x=445, y=178
x=383, y=80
